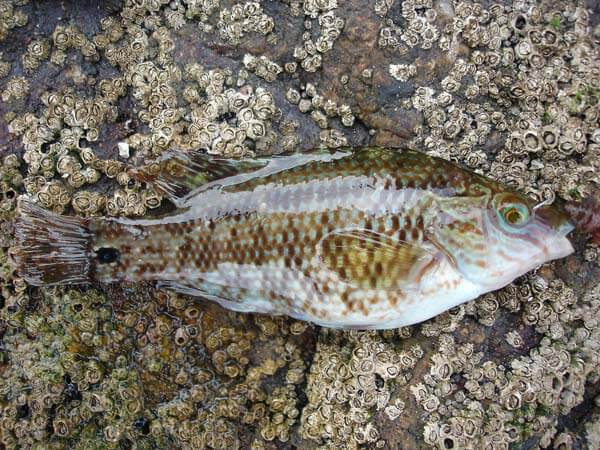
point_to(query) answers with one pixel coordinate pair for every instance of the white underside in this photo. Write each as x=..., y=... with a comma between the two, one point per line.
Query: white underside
x=294, y=290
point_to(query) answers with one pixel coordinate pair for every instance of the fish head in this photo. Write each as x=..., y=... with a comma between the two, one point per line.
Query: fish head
x=497, y=239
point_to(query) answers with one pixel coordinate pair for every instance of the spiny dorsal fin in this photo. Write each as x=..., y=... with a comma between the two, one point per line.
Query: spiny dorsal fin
x=371, y=260
x=178, y=174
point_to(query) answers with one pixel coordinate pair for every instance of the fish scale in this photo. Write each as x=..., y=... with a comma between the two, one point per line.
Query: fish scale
x=373, y=238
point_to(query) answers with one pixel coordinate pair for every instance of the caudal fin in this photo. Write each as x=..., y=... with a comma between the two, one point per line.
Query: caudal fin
x=50, y=249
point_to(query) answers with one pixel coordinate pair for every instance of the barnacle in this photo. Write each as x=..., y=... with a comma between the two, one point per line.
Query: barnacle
x=16, y=88
x=235, y=22
x=402, y=72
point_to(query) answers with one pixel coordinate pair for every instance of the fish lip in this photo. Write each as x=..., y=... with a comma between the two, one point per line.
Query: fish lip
x=558, y=246
x=566, y=228
x=565, y=246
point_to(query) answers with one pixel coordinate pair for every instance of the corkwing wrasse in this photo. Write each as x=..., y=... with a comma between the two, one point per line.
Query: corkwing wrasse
x=369, y=238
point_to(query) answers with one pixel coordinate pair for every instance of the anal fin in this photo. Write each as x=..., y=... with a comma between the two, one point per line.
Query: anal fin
x=232, y=298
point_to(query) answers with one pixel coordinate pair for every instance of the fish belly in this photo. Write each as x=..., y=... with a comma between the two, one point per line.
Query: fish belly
x=324, y=300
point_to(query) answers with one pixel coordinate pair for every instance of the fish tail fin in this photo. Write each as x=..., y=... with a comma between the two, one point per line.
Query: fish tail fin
x=50, y=248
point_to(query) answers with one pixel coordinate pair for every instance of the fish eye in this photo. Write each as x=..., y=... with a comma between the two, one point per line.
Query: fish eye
x=515, y=214
x=107, y=255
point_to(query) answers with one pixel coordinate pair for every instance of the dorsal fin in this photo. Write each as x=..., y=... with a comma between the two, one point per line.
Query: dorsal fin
x=180, y=175
x=177, y=174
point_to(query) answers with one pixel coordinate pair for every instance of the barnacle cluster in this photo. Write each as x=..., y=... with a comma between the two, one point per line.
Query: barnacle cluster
x=15, y=89
x=382, y=7
x=272, y=413
x=243, y=18
x=37, y=51
x=502, y=404
x=73, y=376
x=262, y=67
x=322, y=110
x=310, y=54
x=349, y=380
x=200, y=10
x=83, y=364
x=556, y=98
x=224, y=120
x=11, y=16
x=420, y=29
x=216, y=365
x=58, y=144
x=63, y=39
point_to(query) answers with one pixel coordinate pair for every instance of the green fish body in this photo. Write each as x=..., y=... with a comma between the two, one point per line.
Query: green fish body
x=369, y=238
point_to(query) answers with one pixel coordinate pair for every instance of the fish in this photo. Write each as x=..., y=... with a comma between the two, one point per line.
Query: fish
x=363, y=238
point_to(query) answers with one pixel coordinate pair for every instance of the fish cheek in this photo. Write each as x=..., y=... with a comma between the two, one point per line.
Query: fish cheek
x=466, y=243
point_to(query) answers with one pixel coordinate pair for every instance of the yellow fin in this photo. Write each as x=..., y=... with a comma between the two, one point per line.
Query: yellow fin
x=371, y=260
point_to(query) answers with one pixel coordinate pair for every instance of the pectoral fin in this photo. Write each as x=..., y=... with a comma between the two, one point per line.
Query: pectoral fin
x=371, y=260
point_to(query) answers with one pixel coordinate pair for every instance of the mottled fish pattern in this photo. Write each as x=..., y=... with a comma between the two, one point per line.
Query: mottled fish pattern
x=368, y=238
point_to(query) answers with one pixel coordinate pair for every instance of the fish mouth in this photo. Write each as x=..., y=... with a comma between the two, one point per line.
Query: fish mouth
x=555, y=218
x=553, y=243
x=553, y=226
